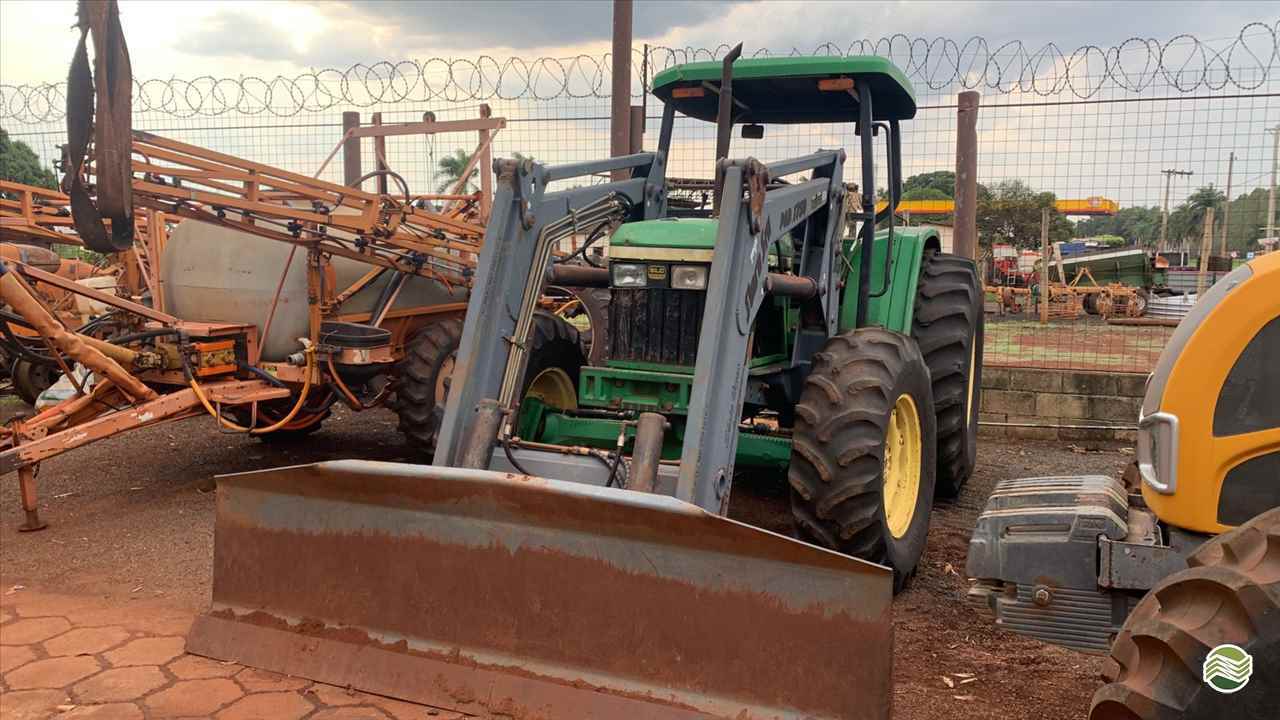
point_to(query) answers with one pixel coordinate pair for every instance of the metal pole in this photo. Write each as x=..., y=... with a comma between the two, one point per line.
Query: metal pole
x=1206, y=246
x=1164, y=217
x=965, y=235
x=1044, y=265
x=1271, y=192
x=1226, y=207
x=646, y=454
x=620, y=99
x=350, y=149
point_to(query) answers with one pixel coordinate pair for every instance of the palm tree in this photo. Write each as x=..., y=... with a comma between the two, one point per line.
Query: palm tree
x=1187, y=221
x=450, y=170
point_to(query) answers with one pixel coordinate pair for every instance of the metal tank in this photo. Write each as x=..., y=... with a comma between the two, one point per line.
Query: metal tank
x=216, y=274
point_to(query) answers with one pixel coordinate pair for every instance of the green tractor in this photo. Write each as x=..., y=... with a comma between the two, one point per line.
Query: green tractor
x=861, y=376
x=566, y=554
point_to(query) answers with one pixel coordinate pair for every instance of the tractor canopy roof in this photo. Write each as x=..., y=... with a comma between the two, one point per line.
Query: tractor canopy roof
x=789, y=89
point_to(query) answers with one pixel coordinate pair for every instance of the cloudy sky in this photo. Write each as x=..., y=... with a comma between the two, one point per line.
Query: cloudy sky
x=1076, y=150
x=232, y=38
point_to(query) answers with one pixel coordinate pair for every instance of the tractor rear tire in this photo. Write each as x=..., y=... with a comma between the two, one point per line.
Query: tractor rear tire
x=1229, y=594
x=866, y=391
x=948, y=327
x=423, y=382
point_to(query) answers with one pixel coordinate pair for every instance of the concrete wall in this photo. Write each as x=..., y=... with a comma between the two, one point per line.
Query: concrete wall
x=1060, y=397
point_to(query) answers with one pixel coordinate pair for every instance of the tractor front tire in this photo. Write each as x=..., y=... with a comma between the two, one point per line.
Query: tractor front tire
x=422, y=382
x=948, y=327
x=863, y=454
x=1229, y=594
x=555, y=359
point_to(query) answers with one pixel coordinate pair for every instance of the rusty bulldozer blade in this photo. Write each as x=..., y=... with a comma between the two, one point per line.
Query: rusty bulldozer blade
x=512, y=596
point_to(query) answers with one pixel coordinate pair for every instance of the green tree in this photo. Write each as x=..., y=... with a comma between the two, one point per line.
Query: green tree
x=449, y=170
x=1010, y=213
x=1137, y=225
x=1186, y=222
x=20, y=164
x=942, y=183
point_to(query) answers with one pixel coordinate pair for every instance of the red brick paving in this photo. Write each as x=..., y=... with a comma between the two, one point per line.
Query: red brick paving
x=76, y=658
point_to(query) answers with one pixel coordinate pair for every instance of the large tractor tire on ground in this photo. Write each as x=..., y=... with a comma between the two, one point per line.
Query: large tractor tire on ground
x=863, y=453
x=948, y=326
x=305, y=422
x=1230, y=594
x=31, y=378
x=422, y=386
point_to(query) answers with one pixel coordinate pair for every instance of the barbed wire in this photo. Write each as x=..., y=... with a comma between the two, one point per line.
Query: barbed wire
x=1182, y=63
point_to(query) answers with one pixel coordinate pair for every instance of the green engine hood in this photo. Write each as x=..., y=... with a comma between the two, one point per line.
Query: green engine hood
x=688, y=239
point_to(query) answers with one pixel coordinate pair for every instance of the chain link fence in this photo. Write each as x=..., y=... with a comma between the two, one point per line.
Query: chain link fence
x=1099, y=135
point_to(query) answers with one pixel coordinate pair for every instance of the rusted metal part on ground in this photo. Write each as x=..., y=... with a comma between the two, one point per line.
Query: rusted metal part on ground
x=180, y=403
x=492, y=593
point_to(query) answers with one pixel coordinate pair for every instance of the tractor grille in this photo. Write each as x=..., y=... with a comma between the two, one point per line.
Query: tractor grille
x=655, y=325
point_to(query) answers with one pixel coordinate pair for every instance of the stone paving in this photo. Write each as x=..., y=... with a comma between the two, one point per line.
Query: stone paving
x=73, y=658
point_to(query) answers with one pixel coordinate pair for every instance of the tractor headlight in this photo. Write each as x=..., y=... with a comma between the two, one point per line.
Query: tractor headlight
x=628, y=275
x=689, y=277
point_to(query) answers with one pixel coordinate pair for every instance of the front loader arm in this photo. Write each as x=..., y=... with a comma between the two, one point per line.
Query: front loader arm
x=750, y=220
x=524, y=227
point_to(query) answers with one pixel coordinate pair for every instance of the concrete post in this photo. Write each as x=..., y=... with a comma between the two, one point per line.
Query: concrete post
x=350, y=149
x=1044, y=264
x=636, y=127
x=964, y=240
x=485, y=167
x=1226, y=207
x=380, y=154
x=1206, y=248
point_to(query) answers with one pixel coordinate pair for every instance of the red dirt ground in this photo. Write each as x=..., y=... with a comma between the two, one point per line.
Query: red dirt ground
x=131, y=524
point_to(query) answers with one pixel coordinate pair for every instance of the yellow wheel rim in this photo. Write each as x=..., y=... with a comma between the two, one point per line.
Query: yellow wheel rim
x=901, y=466
x=554, y=387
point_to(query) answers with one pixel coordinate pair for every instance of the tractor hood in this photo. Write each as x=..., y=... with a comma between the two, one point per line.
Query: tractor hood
x=688, y=240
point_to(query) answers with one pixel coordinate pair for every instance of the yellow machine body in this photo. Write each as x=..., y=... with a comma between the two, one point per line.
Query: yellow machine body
x=1209, y=436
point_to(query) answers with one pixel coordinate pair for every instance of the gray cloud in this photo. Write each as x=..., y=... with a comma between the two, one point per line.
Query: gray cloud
x=780, y=26
x=503, y=23
x=237, y=34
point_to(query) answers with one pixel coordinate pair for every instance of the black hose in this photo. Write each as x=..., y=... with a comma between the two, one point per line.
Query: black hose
x=506, y=448
x=144, y=335
x=595, y=235
x=16, y=346
x=273, y=380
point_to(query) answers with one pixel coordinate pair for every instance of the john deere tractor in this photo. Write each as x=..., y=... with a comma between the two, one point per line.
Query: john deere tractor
x=567, y=554
x=860, y=359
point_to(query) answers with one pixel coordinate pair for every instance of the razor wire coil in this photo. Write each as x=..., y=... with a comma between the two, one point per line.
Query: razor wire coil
x=1183, y=63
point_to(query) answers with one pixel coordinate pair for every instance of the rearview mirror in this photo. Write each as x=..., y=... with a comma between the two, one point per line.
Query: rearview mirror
x=752, y=132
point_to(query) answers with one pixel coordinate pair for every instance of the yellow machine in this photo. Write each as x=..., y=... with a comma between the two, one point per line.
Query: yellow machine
x=1182, y=558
